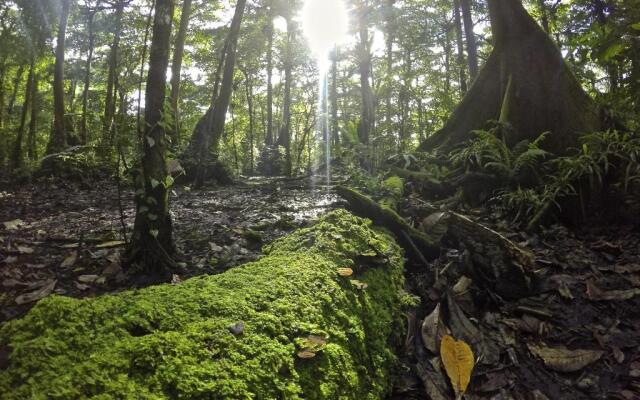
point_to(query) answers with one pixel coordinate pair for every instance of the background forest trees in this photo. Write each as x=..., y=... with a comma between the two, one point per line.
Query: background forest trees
x=73, y=73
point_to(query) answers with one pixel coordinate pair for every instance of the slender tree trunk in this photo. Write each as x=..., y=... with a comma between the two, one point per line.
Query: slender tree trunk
x=599, y=9
x=249, y=94
x=84, y=133
x=112, y=85
x=390, y=38
x=58, y=140
x=334, y=99
x=210, y=127
x=284, y=138
x=33, y=122
x=472, y=49
x=17, y=156
x=14, y=90
x=544, y=16
x=3, y=134
x=143, y=59
x=460, y=46
x=365, y=126
x=270, y=33
x=176, y=68
x=152, y=244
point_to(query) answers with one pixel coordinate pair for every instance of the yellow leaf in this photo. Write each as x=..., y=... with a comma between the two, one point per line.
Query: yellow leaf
x=345, y=271
x=458, y=361
x=358, y=284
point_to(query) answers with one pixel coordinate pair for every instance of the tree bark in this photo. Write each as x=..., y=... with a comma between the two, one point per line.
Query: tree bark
x=270, y=33
x=84, y=133
x=17, y=155
x=249, y=94
x=58, y=140
x=543, y=95
x=176, y=68
x=14, y=90
x=152, y=245
x=366, y=123
x=112, y=83
x=284, y=138
x=210, y=127
x=32, y=148
x=460, y=46
x=334, y=99
x=472, y=49
x=143, y=58
x=3, y=134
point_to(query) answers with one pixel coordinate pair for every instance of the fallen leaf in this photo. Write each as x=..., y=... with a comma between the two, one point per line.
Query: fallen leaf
x=175, y=279
x=433, y=329
x=462, y=286
x=108, y=245
x=71, y=246
x=36, y=295
x=565, y=360
x=12, y=225
x=345, y=272
x=24, y=249
x=70, y=260
x=359, y=285
x=215, y=248
x=88, y=278
x=596, y=294
x=458, y=361
x=306, y=354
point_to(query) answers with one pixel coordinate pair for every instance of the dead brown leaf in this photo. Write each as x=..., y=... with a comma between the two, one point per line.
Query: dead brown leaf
x=36, y=295
x=563, y=359
x=596, y=294
x=433, y=329
x=70, y=260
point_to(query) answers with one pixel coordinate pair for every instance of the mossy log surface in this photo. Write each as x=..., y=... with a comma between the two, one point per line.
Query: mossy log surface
x=386, y=217
x=236, y=335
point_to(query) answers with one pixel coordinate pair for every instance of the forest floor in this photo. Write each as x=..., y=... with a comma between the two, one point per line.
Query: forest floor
x=62, y=238
x=67, y=239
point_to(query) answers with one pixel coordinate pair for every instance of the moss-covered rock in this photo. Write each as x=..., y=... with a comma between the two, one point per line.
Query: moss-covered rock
x=236, y=335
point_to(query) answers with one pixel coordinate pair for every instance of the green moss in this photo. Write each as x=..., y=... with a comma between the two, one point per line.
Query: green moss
x=174, y=341
x=393, y=188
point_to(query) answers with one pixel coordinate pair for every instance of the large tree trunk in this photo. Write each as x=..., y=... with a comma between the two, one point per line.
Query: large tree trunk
x=525, y=82
x=365, y=126
x=58, y=140
x=472, y=50
x=14, y=90
x=210, y=127
x=176, y=68
x=152, y=244
x=249, y=94
x=84, y=134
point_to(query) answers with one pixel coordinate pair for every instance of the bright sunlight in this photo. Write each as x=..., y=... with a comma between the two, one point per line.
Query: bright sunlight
x=325, y=25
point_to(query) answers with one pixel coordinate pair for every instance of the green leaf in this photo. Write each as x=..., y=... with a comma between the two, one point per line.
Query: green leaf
x=612, y=51
x=154, y=183
x=151, y=141
x=154, y=233
x=168, y=182
x=636, y=26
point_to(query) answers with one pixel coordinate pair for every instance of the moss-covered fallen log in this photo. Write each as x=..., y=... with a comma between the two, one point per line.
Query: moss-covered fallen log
x=412, y=239
x=496, y=262
x=289, y=326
